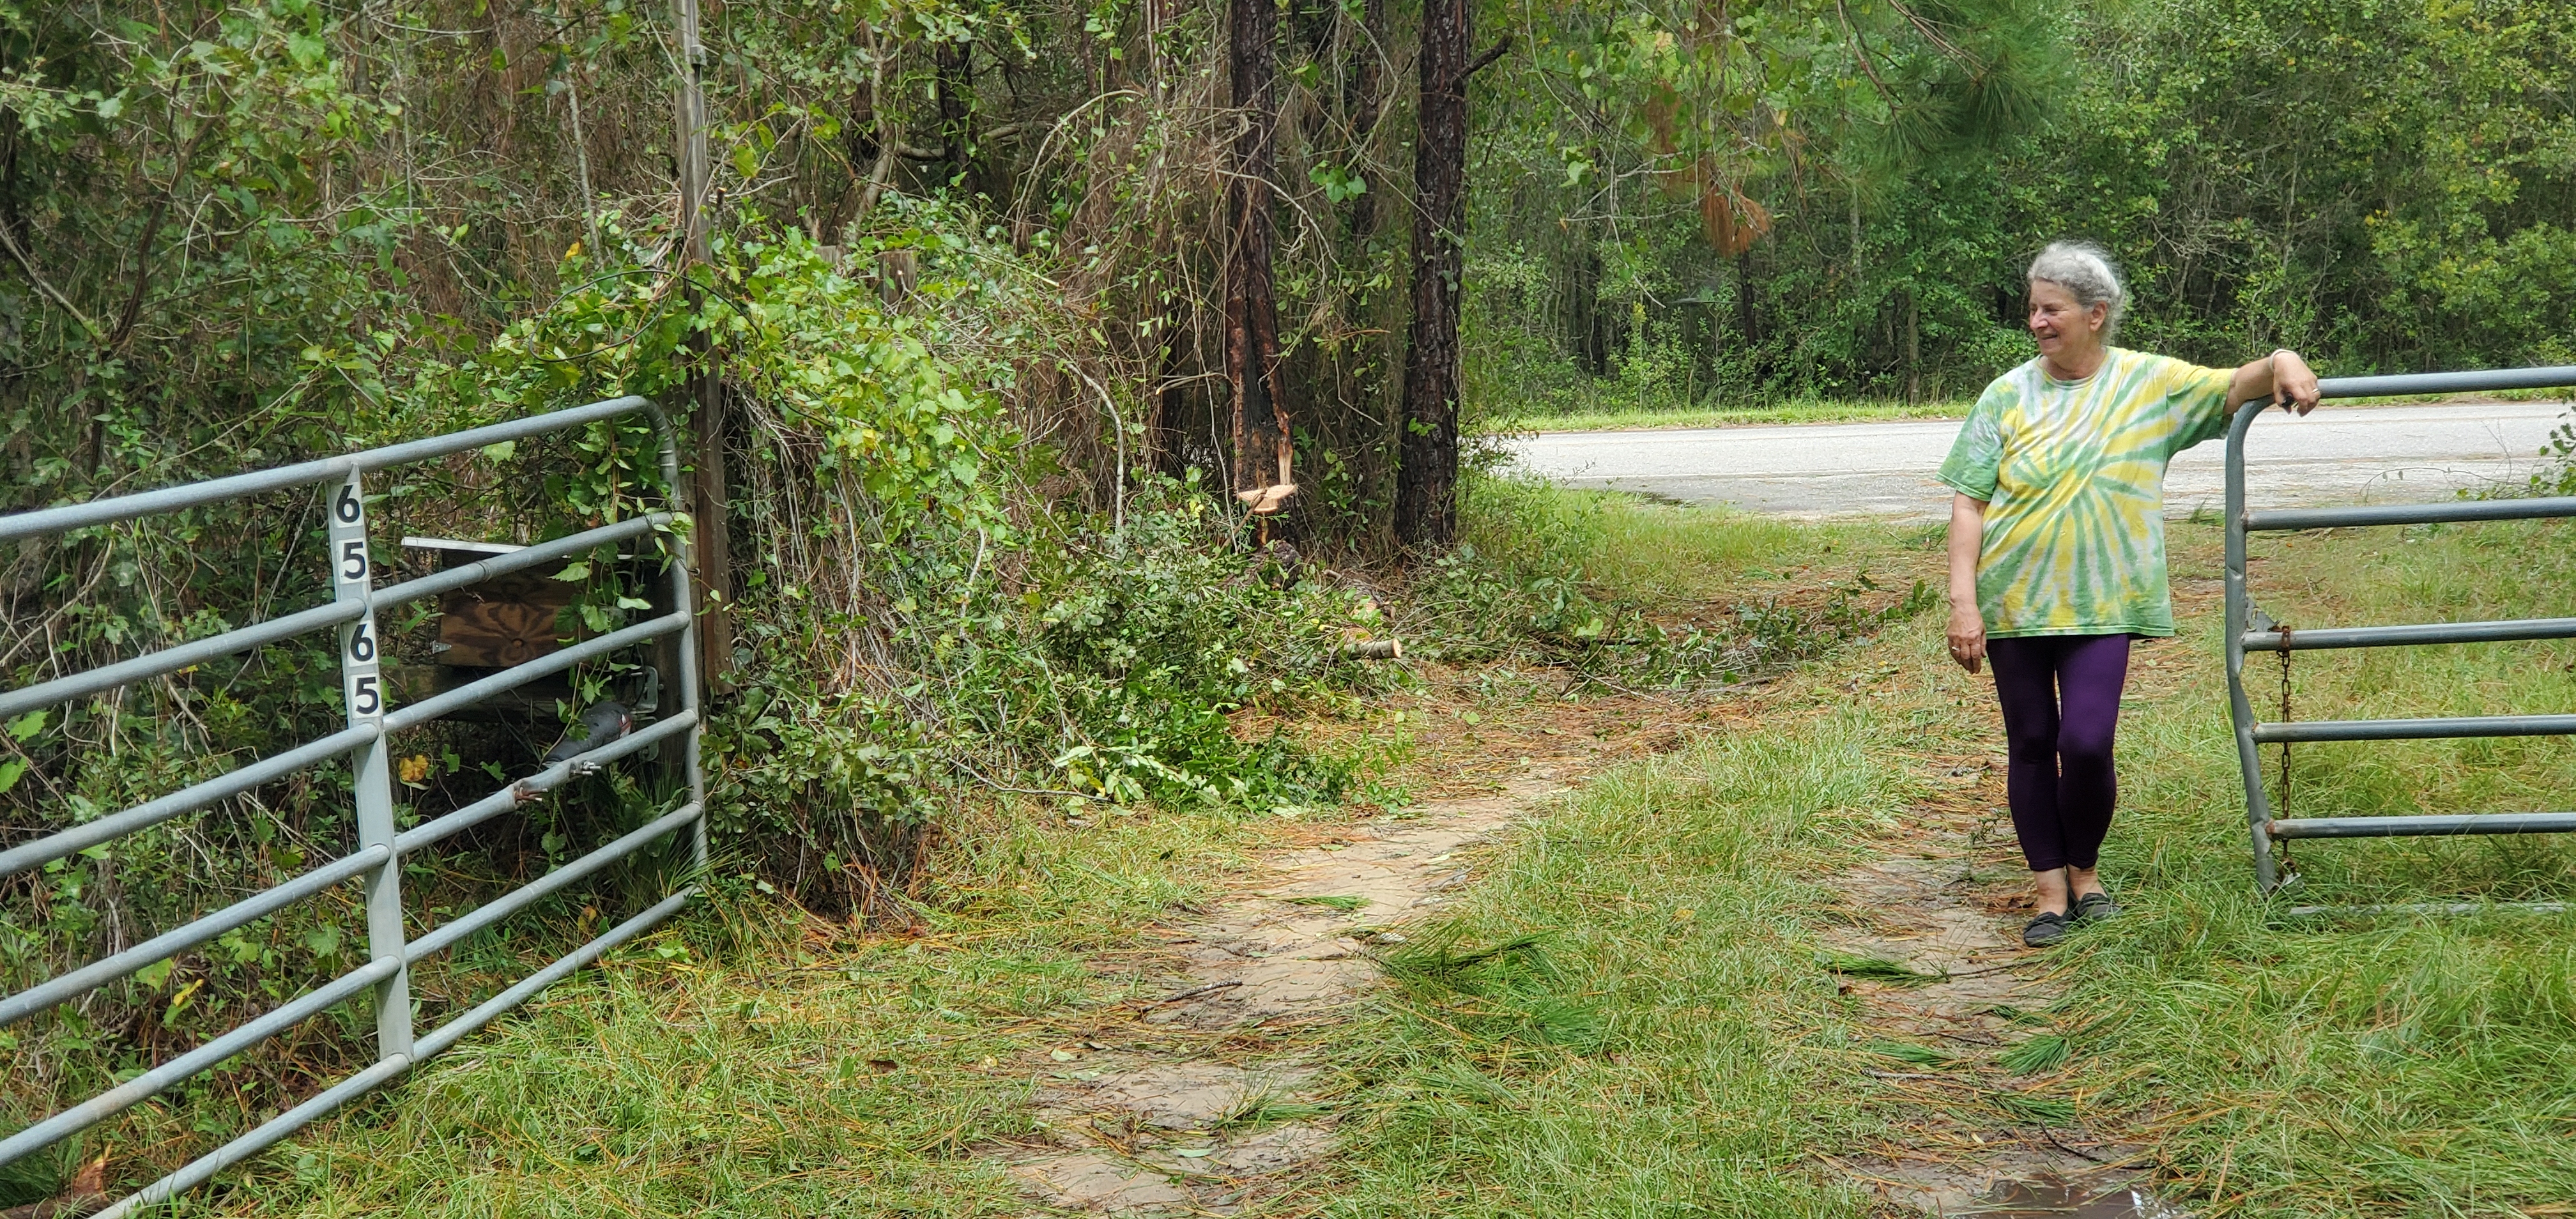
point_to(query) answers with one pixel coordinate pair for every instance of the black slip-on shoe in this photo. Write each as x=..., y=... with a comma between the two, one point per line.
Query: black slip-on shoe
x=2047, y=929
x=2094, y=907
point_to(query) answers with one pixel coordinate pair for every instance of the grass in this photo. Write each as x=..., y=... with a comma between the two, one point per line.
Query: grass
x=1723, y=1054
x=1631, y=1011
x=2390, y=1067
x=1665, y=556
x=1789, y=411
x=1793, y=411
x=780, y=1065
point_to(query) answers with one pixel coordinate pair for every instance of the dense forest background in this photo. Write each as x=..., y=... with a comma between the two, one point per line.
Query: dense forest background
x=2386, y=187
x=975, y=295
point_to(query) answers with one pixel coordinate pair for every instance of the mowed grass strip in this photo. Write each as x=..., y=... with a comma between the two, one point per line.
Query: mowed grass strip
x=1629, y=1014
x=1784, y=412
x=1681, y=559
x=1674, y=415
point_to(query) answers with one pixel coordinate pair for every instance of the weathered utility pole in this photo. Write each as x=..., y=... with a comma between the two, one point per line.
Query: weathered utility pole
x=1261, y=437
x=1426, y=483
x=712, y=544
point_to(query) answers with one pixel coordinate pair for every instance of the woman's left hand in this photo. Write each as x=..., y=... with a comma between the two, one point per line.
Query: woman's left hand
x=2294, y=384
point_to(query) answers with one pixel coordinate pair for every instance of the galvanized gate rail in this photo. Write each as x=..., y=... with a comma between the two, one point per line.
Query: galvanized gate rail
x=2249, y=629
x=380, y=847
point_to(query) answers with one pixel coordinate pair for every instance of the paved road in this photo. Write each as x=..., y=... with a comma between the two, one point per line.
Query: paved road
x=2377, y=454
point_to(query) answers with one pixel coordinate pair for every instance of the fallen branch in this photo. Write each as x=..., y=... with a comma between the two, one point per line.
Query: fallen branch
x=1196, y=991
x=2061, y=1145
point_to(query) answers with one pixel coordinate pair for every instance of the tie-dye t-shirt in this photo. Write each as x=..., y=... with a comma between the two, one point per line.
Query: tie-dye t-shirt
x=2073, y=473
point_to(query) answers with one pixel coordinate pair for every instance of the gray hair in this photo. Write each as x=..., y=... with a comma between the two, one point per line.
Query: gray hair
x=2084, y=270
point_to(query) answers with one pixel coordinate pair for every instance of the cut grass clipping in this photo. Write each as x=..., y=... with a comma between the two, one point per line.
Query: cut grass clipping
x=2039, y=1055
x=1511, y=990
x=1919, y=1055
x=1342, y=903
x=1873, y=969
x=2044, y=1110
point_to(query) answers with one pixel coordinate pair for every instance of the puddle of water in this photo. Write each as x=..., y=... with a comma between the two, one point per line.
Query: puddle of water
x=2078, y=1199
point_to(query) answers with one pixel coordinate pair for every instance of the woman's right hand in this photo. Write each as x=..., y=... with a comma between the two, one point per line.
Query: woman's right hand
x=1967, y=636
x=1967, y=623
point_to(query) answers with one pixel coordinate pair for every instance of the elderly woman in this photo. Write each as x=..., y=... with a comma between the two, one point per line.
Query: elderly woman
x=2057, y=551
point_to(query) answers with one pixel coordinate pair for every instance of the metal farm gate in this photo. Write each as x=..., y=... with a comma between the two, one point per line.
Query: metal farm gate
x=2249, y=629
x=381, y=847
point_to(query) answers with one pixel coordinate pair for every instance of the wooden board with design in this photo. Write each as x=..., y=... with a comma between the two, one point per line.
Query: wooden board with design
x=503, y=621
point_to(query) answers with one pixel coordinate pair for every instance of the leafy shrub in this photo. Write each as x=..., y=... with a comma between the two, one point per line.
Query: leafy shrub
x=1104, y=667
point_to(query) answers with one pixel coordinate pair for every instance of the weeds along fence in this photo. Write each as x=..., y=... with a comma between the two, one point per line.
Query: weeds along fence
x=2250, y=629
x=382, y=845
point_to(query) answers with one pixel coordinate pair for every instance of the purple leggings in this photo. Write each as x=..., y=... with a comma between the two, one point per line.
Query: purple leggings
x=2061, y=700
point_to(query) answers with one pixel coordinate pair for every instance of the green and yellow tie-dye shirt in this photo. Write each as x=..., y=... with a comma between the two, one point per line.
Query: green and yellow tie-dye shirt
x=2073, y=473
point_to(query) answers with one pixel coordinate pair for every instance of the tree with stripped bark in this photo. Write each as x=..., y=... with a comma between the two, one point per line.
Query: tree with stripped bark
x=1262, y=450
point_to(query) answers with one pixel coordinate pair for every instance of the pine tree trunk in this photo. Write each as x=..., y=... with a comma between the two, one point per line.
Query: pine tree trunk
x=1368, y=87
x=1251, y=316
x=1426, y=485
x=1913, y=352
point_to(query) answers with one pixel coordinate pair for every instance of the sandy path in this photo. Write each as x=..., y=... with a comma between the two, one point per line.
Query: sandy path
x=1948, y=900
x=1953, y=909
x=1161, y=1129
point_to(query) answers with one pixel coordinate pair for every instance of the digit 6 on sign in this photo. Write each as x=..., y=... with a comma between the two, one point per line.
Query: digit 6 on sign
x=353, y=559
x=362, y=645
x=346, y=507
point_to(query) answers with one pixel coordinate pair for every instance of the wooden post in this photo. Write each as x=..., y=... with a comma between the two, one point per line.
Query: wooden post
x=713, y=542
